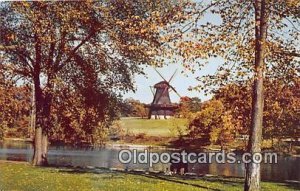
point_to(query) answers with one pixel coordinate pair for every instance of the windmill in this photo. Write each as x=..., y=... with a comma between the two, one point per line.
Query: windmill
x=161, y=106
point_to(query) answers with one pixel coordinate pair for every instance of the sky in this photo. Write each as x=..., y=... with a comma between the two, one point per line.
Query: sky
x=181, y=82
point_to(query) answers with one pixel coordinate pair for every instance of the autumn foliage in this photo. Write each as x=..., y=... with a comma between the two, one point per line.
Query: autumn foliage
x=15, y=111
x=228, y=115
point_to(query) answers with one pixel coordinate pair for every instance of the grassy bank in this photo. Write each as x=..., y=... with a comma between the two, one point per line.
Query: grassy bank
x=152, y=127
x=151, y=131
x=21, y=176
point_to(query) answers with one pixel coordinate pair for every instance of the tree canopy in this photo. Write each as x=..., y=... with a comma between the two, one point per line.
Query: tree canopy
x=88, y=49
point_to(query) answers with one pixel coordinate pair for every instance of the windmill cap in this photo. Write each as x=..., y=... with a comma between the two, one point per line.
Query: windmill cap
x=161, y=84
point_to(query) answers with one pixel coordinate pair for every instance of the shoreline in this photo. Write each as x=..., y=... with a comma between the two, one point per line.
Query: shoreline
x=124, y=145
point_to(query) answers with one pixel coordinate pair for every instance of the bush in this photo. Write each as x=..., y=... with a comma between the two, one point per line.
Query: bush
x=286, y=147
x=141, y=136
x=1, y=133
x=212, y=125
x=117, y=131
x=178, y=129
x=281, y=146
x=100, y=134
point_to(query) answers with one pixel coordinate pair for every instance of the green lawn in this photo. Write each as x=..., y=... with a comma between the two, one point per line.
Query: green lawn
x=152, y=127
x=23, y=177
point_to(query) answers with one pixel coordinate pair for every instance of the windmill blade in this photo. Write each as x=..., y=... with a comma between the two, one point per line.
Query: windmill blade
x=172, y=76
x=160, y=75
x=175, y=91
x=151, y=90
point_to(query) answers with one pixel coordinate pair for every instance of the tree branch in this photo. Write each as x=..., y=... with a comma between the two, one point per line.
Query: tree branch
x=71, y=54
x=294, y=54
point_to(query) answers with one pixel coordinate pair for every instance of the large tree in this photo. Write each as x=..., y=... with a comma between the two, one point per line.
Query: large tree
x=94, y=47
x=255, y=39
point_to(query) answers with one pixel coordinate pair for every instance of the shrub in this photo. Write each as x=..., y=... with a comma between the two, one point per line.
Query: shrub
x=1, y=133
x=141, y=136
x=117, y=130
x=212, y=125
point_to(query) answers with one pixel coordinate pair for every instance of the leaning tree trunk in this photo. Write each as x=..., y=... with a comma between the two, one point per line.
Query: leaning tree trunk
x=252, y=180
x=40, y=148
x=33, y=114
x=39, y=155
x=47, y=125
x=41, y=127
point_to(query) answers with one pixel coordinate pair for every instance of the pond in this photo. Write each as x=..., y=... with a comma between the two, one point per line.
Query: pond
x=287, y=168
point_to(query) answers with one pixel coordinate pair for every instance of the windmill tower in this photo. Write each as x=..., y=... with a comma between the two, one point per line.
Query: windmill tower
x=161, y=106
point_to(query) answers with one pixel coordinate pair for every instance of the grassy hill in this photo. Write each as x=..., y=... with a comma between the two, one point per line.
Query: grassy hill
x=152, y=127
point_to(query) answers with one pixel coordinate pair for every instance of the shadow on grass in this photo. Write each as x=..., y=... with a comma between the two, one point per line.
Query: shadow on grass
x=173, y=180
x=116, y=174
x=184, y=180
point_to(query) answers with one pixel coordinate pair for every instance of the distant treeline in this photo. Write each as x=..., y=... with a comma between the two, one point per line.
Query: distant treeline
x=134, y=108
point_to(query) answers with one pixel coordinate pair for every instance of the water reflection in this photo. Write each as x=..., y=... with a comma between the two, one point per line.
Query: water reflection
x=286, y=169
